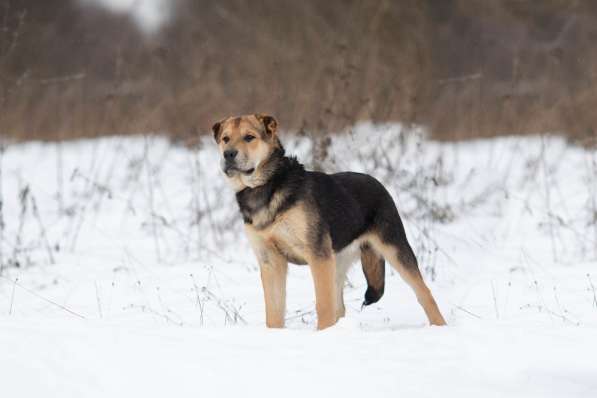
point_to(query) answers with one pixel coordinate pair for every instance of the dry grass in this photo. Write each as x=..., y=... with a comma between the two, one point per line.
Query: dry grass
x=465, y=68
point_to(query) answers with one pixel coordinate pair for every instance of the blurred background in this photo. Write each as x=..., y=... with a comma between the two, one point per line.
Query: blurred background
x=460, y=68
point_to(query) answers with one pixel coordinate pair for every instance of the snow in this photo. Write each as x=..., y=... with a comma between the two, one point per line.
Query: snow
x=94, y=358
x=134, y=276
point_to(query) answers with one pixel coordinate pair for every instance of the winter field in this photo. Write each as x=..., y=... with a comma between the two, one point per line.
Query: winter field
x=125, y=272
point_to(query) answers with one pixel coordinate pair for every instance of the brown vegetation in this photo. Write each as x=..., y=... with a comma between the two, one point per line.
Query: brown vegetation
x=465, y=68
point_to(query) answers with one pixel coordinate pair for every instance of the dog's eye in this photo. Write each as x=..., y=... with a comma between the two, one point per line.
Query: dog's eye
x=226, y=139
x=249, y=138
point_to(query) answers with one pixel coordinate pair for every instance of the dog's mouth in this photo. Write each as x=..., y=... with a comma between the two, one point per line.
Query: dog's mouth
x=231, y=170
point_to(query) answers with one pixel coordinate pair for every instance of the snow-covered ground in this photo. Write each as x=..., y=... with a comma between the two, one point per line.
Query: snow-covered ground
x=134, y=277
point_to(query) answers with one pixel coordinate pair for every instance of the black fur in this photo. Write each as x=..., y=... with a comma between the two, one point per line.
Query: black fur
x=346, y=205
x=372, y=295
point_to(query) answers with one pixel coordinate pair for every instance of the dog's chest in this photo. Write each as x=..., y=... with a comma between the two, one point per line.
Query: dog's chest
x=287, y=235
x=289, y=241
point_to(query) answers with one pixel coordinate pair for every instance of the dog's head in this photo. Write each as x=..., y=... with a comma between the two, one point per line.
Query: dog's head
x=245, y=143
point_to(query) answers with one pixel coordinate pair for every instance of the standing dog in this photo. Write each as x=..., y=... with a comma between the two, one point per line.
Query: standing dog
x=304, y=217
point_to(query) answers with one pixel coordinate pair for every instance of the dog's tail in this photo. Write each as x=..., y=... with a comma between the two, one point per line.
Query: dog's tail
x=374, y=270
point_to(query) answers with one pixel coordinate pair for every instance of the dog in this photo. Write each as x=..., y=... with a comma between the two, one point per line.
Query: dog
x=304, y=217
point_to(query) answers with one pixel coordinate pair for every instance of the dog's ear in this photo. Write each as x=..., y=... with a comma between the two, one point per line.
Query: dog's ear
x=269, y=123
x=217, y=129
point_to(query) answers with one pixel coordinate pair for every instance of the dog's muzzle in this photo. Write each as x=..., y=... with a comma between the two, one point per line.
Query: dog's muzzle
x=230, y=168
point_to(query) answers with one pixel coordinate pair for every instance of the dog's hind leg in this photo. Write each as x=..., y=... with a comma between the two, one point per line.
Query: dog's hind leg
x=344, y=260
x=342, y=266
x=397, y=251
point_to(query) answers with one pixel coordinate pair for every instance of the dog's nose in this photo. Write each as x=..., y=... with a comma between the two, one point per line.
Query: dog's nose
x=230, y=154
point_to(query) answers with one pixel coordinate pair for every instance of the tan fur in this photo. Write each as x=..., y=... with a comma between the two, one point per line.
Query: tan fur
x=323, y=271
x=273, y=268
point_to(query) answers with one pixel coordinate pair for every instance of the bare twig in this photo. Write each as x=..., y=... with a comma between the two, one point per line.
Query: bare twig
x=495, y=306
x=151, y=199
x=23, y=200
x=593, y=290
x=300, y=314
x=546, y=183
x=42, y=229
x=467, y=311
x=97, y=299
x=540, y=295
x=59, y=178
x=12, y=296
x=15, y=282
x=196, y=167
x=148, y=309
x=101, y=188
x=550, y=312
x=199, y=302
x=232, y=313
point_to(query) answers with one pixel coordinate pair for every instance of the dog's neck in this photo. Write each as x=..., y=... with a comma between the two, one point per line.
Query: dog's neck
x=272, y=194
x=272, y=166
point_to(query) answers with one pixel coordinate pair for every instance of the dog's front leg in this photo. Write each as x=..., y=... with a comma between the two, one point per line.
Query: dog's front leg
x=323, y=271
x=273, y=268
x=273, y=278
